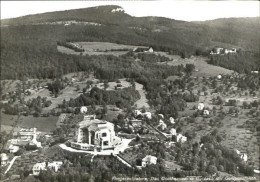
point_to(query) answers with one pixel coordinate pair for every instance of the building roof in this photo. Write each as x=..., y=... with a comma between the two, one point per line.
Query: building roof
x=149, y=157
x=4, y=157
x=94, y=124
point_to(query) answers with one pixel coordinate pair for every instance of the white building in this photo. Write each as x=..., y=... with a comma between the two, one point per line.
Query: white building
x=94, y=133
x=27, y=134
x=148, y=160
x=38, y=167
x=161, y=116
x=244, y=157
x=4, y=159
x=137, y=112
x=201, y=106
x=219, y=76
x=83, y=109
x=173, y=131
x=162, y=125
x=172, y=120
x=232, y=51
x=13, y=148
x=148, y=115
x=117, y=10
x=206, y=112
x=181, y=138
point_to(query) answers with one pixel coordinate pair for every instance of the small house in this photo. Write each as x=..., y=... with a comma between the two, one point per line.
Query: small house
x=181, y=138
x=4, y=159
x=201, y=106
x=148, y=160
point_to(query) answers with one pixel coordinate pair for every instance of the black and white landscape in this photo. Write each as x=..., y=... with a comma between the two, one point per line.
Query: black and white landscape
x=96, y=94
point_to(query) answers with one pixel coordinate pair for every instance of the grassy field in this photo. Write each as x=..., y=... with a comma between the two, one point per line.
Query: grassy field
x=43, y=124
x=112, y=85
x=142, y=102
x=98, y=48
x=201, y=66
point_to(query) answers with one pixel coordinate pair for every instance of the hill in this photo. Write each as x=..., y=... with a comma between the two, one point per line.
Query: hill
x=32, y=40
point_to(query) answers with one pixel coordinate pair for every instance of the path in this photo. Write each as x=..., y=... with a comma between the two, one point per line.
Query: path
x=11, y=163
x=123, y=161
x=117, y=150
x=142, y=102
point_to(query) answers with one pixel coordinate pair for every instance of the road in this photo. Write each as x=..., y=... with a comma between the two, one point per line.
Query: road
x=142, y=102
x=11, y=163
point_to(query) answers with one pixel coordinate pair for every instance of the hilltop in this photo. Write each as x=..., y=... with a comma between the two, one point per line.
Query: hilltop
x=33, y=39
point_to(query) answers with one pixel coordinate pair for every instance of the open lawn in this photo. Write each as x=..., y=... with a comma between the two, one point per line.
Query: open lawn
x=99, y=48
x=241, y=139
x=66, y=93
x=142, y=102
x=201, y=66
x=43, y=124
x=112, y=85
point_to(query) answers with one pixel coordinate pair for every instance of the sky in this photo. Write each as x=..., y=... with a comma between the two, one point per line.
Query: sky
x=179, y=10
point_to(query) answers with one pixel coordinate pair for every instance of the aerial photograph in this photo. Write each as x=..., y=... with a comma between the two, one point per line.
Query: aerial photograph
x=135, y=91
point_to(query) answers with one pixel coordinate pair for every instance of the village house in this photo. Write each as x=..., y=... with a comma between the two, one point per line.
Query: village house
x=172, y=120
x=94, y=133
x=38, y=167
x=13, y=148
x=242, y=156
x=223, y=51
x=162, y=125
x=29, y=135
x=206, y=112
x=148, y=160
x=83, y=109
x=4, y=159
x=148, y=115
x=161, y=116
x=201, y=106
x=173, y=131
x=181, y=138
x=219, y=76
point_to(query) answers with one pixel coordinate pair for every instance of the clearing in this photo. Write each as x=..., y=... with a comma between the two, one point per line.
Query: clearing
x=99, y=48
x=202, y=68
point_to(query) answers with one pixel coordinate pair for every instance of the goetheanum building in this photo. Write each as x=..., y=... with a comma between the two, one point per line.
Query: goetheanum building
x=95, y=134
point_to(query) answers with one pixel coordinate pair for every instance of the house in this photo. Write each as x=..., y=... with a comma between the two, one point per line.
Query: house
x=161, y=116
x=172, y=120
x=83, y=109
x=173, y=131
x=232, y=51
x=117, y=10
x=4, y=159
x=148, y=115
x=13, y=148
x=137, y=112
x=201, y=106
x=162, y=125
x=244, y=157
x=219, y=76
x=206, y=112
x=38, y=167
x=148, y=160
x=27, y=134
x=181, y=138
x=94, y=133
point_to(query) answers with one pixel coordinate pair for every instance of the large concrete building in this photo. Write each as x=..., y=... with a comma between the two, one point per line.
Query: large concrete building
x=94, y=133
